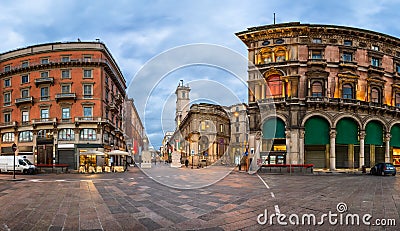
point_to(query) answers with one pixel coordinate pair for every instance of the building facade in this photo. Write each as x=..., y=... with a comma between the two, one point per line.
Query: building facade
x=62, y=103
x=133, y=129
x=238, y=147
x=204, y=134
x=335, y=91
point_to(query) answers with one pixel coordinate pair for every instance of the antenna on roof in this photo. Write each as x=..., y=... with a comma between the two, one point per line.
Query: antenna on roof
x=274, y=18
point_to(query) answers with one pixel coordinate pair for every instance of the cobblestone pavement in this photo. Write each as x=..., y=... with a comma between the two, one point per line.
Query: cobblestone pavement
x=133, y=201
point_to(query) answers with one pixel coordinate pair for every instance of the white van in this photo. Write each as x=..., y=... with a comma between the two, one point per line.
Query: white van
x=21, y=165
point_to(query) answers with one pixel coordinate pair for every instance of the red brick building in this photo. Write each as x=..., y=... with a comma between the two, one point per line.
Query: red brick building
x=62, y=103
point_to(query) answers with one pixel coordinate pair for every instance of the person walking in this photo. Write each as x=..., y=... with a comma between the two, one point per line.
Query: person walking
x=187, y=163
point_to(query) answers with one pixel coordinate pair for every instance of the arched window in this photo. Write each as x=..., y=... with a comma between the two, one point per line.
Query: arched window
x=8, y=137
x=316, y=89
x=25, y=136
x=375, y=95
x=265, y=56
x=66, y=134
x=274, y=84
x=347, y=91
x=88, y=134
x=397, y=99
x=280, y=56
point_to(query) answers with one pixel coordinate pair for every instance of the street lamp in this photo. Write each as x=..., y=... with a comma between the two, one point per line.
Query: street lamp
x=14, y=149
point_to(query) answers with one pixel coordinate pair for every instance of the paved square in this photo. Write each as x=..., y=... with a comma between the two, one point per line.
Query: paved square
x=134, y=201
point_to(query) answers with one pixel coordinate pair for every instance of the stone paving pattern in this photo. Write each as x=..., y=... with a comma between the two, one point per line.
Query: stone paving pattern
x=133, y=201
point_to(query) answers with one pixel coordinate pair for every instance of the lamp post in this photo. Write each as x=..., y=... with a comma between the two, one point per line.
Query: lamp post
x=14, y=149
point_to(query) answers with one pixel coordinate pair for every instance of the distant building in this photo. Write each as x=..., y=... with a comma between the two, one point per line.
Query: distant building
x=134, y=130
x=166, y=149
x=238, y=146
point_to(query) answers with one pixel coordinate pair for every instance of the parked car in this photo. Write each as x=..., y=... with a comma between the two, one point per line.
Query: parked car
x=383, y=169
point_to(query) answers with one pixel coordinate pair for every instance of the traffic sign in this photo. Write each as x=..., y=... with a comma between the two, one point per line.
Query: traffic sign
x=14, y=147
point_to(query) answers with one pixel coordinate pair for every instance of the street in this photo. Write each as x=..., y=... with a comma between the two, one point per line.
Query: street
x=134, y=200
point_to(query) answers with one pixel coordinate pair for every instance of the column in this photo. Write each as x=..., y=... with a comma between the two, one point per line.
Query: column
x=289, y=158
x=332, y=153
x=34, y=147
x=257, y=91
x=387, y=147
x=362, y=148
x=256, y=154
x=263, y=91
x=301, y=147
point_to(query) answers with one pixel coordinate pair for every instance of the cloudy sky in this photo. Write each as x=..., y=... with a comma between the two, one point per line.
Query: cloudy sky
x=142, y=34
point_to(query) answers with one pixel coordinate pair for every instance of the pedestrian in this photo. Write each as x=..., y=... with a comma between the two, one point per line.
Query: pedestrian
x=186, y=163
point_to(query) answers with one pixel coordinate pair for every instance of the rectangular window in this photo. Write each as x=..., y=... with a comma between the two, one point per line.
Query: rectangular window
x=316, y=54
x=44, y=74
x=7, y=99
x=44, y=61
x=375, y=62
x=7, y=83
x=65, y=88
x=87, y=91
x=398, y=68
x=25, y=117
x=237, y=128
x=106, y=96
x=25, y=93
x=106, y=79
x=203, y=125
x=24, y=64
x=7, y=117
x=7, y=68
x=221, y=128
x=87, y=58
x=237, y=139
x=347, y=57
x=87, y=73
x=66, y=114
x=65, y=74
x=87, y=112
x=375, y=47
x=44, y=114
x=65, y=59
x=25, y=78
x=348, y=43
x=317, y=40
x=44, y=93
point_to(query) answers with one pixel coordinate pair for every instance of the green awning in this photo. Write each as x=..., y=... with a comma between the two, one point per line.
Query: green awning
x=374, y=133
x=316, y=131
x=347, y=131
x=395, y=136
x=273, y=128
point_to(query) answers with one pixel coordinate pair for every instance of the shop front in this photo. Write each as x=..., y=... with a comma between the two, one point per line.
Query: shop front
x=93, y=161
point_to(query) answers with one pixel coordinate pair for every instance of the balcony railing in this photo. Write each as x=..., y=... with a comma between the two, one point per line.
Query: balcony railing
x=60, y=96
x=23, y=100
x=87, y=119
x=44, y=121
x=8, y=124
x=272, y=100
x=44, y=80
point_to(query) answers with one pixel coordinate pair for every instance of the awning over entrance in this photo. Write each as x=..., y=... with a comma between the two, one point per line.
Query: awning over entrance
x=395, y=136
x=374, y=133
x=91, y=152
x=273, y=128
x=316, y=131
x=118, y=152
x=347, y=131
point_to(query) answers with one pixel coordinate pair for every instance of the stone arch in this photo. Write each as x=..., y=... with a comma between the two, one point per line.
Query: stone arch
x=338, y=117
x=277, y=115
x=273, y=71
x=371, y=118
x=321, y=114
x=392, y=123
